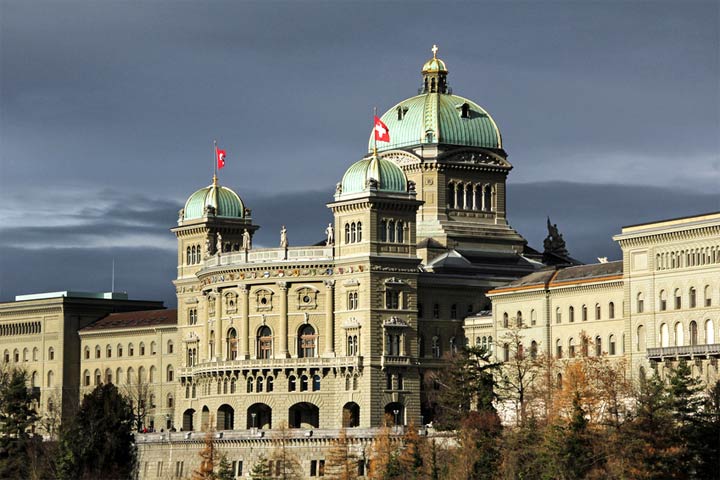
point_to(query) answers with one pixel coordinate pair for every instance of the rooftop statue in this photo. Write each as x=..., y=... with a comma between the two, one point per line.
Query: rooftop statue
x=554, y=243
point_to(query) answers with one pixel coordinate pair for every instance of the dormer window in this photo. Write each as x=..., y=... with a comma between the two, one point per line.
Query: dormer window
x=401, y=111
x=465, y=111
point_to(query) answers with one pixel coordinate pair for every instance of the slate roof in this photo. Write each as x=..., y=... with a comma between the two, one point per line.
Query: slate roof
x=588, y=272
x=146, y=318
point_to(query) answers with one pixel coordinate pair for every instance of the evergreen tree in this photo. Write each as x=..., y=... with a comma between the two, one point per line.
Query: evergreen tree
x=708, y=435
x=98, y=442
x=17, y=422
x=261, y=469
x=384, y=464
x=477, y=455
x=224, y=470
x=410, y=457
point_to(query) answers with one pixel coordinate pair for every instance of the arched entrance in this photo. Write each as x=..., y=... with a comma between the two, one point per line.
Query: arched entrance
x=225, y=417
x=259, y=415
x=351, y=415
x=187, y=422
x=394, y=414
x=304, y=415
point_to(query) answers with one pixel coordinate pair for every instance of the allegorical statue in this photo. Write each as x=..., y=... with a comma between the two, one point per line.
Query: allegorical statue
x=554, y=243
x=246, y=240
x=218, y=245
x=208, y=246
x=283, y=237
x=330, y=232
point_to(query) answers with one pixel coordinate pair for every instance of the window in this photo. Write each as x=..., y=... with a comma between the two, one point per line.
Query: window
x=571, y=348
x=598, y=311
x=708, y=296
x=153, y=348
x=678, y=299
x=693, y=333
x=465, y=111
x=506, y=352
x=108, y=351
x=347, y=233
x=352, y=300
x=170, y=373
x=131, y=350
x=359, y=231
x=679, y=337
x=436, y=349
x=436, y=310
x=584, y=313
x=303, y=383
x=151, y=378
x=598, y=346
x=269, y=384
x=533, y=349
x=693, y=297
x=611, y=344
x=392, y=299
x=533, y=317
x=391, y=231
x=453, y=311
x=611, y=310
x=292, y=384
x=505, y=322
x=383, y=230
x=87, y=353
x=192, y=316
x=640, y=303
x=558, y=315
x=170, y=346
x=400, y=237
x=518, y=318
x=392, y=344
x=352, y=345
x=663, y=300
x=571, y=313
x=251, y=384
x=709, y=332
x=664, y=335
x=97, y=351
x=51, y=353
x=119, y=350
x=86, y=378
x=264, y=342
x=142, y=349
x=307, y=341
x=316, y=383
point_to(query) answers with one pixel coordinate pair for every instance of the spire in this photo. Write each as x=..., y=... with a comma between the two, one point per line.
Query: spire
x=434, y=74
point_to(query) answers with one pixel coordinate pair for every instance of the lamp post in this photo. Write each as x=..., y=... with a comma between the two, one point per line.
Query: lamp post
x=253, y=420
x=396, y=412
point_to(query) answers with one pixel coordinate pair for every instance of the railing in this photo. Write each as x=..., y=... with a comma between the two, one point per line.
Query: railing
x=396, y=360
x=259, y=364
x=271, y=255
x=684, y=351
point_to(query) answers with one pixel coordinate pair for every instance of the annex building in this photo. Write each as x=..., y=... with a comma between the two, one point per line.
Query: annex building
x=318, y=337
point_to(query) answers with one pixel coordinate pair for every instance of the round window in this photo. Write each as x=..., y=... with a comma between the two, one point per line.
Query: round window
x=306, y=299
x=263, y=301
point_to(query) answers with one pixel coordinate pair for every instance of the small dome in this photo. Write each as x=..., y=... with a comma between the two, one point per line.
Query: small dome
x=225, y=202
x=388, y=176
x=434, y=65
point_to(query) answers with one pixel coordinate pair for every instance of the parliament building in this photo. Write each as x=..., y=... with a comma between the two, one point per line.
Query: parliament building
x=420, y=260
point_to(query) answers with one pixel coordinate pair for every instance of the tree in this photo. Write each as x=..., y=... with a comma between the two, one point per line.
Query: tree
x=477, y=455
x=466, y=384
x=384, y=464
x=17, y=423
x=410, y=457
x=208, y=459
x=517, y=374
x=261, y=469
x=98, y=442
x=224, y=471
x=138, y=394
x=341, y=463
x=289, y=466
x=708, y=435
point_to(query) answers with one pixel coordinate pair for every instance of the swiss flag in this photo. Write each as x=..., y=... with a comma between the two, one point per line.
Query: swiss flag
x=382, y=134
x=220, y=156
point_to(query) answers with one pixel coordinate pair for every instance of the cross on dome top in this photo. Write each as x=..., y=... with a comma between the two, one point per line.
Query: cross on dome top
x=434, y=49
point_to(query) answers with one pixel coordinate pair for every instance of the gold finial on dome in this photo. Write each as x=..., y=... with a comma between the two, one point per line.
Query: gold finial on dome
x=434, y=49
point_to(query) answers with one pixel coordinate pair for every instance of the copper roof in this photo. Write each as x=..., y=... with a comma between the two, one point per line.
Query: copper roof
x=146, y=318
x=586, y=272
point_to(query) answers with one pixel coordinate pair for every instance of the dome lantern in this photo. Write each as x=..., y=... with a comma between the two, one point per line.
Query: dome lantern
x=434, y=75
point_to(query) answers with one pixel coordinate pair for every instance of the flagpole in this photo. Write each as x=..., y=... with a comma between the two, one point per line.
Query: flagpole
x=374, y=132
x=214, y=162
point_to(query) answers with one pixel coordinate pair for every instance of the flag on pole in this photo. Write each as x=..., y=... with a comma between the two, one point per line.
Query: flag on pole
x=220, y=157
x=382, y=133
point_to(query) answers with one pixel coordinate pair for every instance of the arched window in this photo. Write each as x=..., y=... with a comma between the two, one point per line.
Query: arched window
x=436, y=350
x=708, y=296
x=383, y=230
x=533, y=317
x=264, y=342
x=663, y=301
x=584, y=313
x=640, y=303
x=50, y=379
x=35, y=354
x=519, y=319
x=598, y=311
x=119, y=375
x=97, y=351
x=170, y=373
x=170, y=402
x=303, y=383
x=131, y=350
x=251, y=385
x=558, y=315
x=400, y=232
x=170, y=347
x=292, y=383
x=451, y=195
x=664, y=335
x=87, y=353
x=353, y=233
x=571, y=348
x=16, y=355
x=86, y=378
x=307, y=341
x=142, y=349
x=359, y=231
x=506, y=352
x=598, y=346
x=468, y=196
x=487, y=198
x=709, y=332
x=391, y=231
x=693, y=333
x=611, y=345
x=533, y=349
x=693, y=297
x=141, y=375
x=51, y=353
x=108, y=376
x=130, y=376
x=269, y=384
x=316, y=383
x=259, y=383
x=611, y=310
x=678, y=299
x=679, y=337
x=108, y=351
x=465, y=111
x=571, y=312
x=232, y=344
x=119, y=350
x=558, y=348
x=26, y=354
x=347, y=233
x=459, y=195
x=505, y=320
x=152, y=377
x=189, y=259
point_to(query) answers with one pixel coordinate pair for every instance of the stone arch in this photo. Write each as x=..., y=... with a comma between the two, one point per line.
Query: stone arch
x=304, y=415
x=225, y=417
x=351, y=415
x=187, y=421
x=394, y=413
x=259, y=415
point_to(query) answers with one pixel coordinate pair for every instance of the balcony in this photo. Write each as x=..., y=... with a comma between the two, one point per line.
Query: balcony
x=684, y=351
x=271, y=255
x=396, y=361
x=221, y=367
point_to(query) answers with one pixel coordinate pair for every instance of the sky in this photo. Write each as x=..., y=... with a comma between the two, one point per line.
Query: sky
x=609, y=111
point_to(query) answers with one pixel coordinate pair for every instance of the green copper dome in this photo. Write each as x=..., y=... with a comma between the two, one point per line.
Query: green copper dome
x=225, y=202
x=388, y=176
x=437, y=116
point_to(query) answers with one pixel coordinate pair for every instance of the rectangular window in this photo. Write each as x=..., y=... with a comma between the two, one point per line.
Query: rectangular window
x=640, y=305
x=420, y=310
x=663, y=305
x=313, y=468
x=436, y=311
x=239, y=471
x=392, y=299
x=321, y=468
x=361, y=468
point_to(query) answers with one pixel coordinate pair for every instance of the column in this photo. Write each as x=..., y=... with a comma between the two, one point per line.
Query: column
x=403, y=343
x=283, y=350
x=244, y=321
x=329, y=318
x=219, y=335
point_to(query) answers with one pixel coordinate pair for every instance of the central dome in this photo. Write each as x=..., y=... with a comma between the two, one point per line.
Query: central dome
x=437, y=116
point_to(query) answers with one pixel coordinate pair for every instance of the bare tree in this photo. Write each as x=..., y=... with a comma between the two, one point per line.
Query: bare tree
x=518, y=373
x=138, y=394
